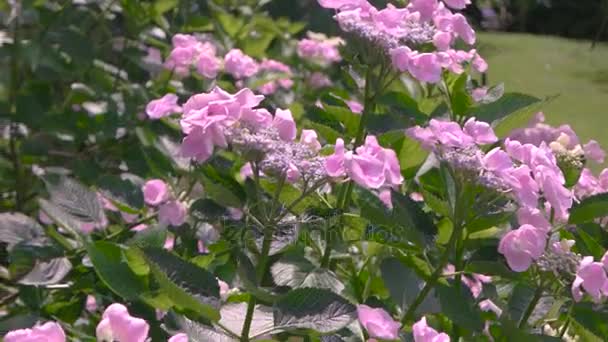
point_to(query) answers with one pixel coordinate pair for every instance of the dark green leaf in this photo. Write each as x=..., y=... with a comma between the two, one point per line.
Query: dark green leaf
x=299, y=272
x=459, y=306
x=589, y=209
x=520, y=299
x=109, y=263
x=16, y=227
x=316, y=309
x=595, y=320
x=123, y=193
x=198, y=332
x=188, y=285
x=509, y=103
x=222, y=188
x=149, y=237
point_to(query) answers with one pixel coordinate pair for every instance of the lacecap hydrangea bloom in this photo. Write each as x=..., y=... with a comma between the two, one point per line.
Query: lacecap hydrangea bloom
x=399, y=32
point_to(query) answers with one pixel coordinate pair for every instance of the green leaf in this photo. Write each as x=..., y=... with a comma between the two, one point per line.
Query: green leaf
x=162, y=6
x=460, y=98
x=589, y=209
x=233, y=318
x=127, y=196
x=411, y=157
x=508, y=104
x=594, y=320
x=459, y=307
x=297, y=272
x=112, y=269
x=222, y=188
x=402, y=282
x=518, y=302
x=409, y=215
x=205, y=209
x=186, y=284
x=150, y=237
x=230, y=23
x=310, y=308
x=405, y=106
x=198, y=332
x=491, y=268
x=75, y=199
x=16, y=227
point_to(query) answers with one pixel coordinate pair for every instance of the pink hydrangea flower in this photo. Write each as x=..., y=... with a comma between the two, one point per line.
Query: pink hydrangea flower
x=344, y=4
x=424, y=333
x=224, y=289
x=334, y=164
x=319, y=49
x=188, y=51
x=591, y=277
x=172, y=213
x=378, y=323
x=91, y=303
x=207, y=115
x=372, y=166
x=594, y=151
x=479, y=94
x=488, y=305
x=521, y=246
x=272, y=66
x=179, y=338
x=155, y=192
x=118, y=325
x=318, y=80
x=457, y=4
x=284, y=123
x=169, y=242
x=480, y=131
x=534, y=217
x=239, y=65
x=48, y=332
x=425, y=67
x=309, y=137
x=355, y=106
x=162, y=107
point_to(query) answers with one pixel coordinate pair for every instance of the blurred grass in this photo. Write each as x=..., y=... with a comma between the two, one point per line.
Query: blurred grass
x=546, y=66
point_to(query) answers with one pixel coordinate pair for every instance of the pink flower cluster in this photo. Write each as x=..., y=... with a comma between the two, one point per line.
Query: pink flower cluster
x=424, y=333
x=188, y=51
x=530, y=173
x=378, y=323
x=270, y=66
x=118, y=325
x=400, y=30
x=164, y=106
x=370, y=165
x=47, y=332
x=320, y=49
x=561, y=139
x=219, y=119
x=591, y=277
x=474, y=283
x=589, y=185
x=170, y=211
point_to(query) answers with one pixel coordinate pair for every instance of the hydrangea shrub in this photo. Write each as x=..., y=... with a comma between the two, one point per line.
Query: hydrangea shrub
x=224, y=175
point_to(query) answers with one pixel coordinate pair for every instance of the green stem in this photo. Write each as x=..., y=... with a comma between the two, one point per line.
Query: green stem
x=260, y=270
x=345, y=193
x=14, y=128
x=537, y=295
x=411, y=311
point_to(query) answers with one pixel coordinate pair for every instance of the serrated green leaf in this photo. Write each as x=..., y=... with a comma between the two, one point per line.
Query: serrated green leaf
x=316, y=309
x=122, y=193
x=186, y=284
x=112, y=269
x=589, y=209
